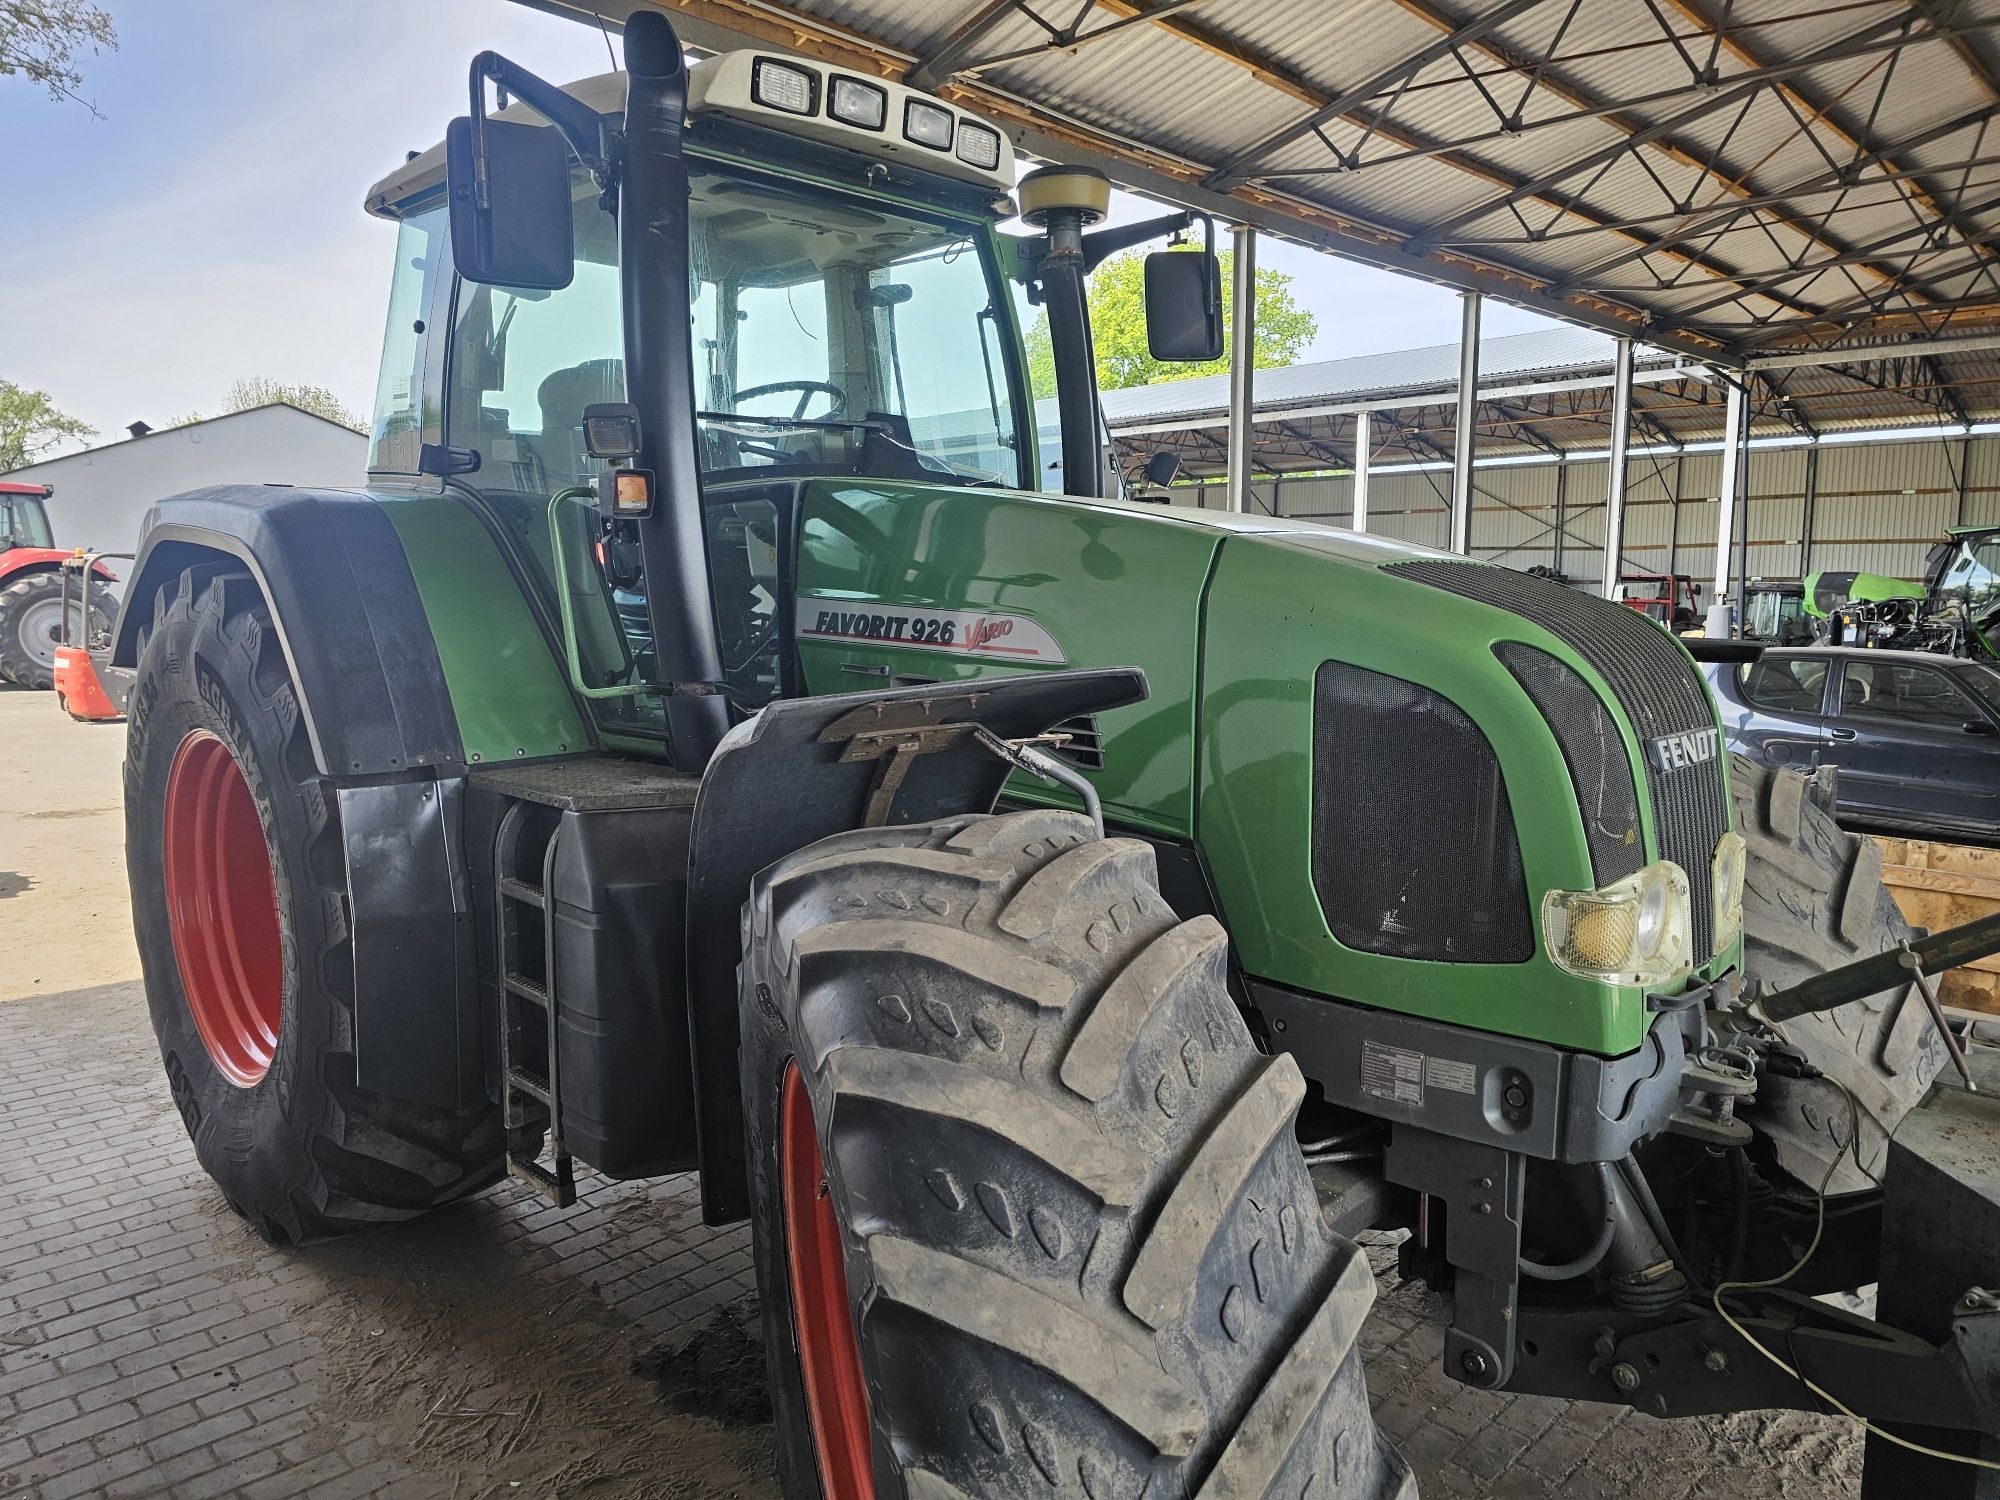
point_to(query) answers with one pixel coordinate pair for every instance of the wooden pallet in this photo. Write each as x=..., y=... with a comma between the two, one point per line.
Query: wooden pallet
x=1940, y=885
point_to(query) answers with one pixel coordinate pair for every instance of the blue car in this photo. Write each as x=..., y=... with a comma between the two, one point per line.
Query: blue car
x=1916, y=738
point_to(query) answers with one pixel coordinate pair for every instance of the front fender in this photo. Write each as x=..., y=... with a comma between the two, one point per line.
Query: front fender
x=345, y=604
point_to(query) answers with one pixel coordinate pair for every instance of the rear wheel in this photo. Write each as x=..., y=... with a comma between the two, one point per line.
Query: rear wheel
x=1030, y=1215
x=31, y=627
x=238, y=896
x=1814, y=900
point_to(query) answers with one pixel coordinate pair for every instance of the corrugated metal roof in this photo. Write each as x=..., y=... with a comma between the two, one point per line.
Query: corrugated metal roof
x=1715, y=177
x=1545, y=351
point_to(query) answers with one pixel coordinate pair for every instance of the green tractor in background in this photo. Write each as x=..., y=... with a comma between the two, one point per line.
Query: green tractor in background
x=720, y=738
x=1954, y=612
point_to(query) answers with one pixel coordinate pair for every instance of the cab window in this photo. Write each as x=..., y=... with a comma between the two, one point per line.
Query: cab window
x=24, y=522
x=1975, y=576
x=396, y=433
x=1786, y=685
x=1913, y=694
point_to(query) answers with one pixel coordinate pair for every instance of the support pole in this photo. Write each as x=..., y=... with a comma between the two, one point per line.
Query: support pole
x=1614, y=495
x=1808, y=517
x=1461, y=448
x=1242, y=363
x=1674, y=521
x=1364, y=445
x=1562, y=507
x=1734, y=400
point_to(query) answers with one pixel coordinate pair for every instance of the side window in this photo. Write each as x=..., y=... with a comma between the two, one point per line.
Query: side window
x=1784, y=685
x=396, y=434
x=1913, y=694
x=524, y=365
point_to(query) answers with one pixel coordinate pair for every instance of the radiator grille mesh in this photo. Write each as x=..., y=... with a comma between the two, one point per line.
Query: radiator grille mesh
x=1655, y=685
x=1414, y=849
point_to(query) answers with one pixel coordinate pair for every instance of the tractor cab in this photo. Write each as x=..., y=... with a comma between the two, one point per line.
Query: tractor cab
x=24, y=518
x=1673, y=599
x=1962, y=582
x=850, y=313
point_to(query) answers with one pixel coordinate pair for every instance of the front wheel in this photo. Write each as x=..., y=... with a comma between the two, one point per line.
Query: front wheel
x=31, y=627
x=233, y=848
x=1030, y=1216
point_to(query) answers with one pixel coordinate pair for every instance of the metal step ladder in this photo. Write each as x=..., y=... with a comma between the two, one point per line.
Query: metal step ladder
x=528, y=999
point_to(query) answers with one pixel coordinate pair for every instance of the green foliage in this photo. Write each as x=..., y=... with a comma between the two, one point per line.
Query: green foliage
x=40, y=40
x=261, y=390
x=1118, y=328
x=30, y=425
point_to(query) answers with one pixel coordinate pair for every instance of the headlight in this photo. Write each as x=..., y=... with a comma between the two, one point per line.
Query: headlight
x=927, y=124
x=858, y=103
x=779, y=85
x=1726, y=880
x=1633, y=932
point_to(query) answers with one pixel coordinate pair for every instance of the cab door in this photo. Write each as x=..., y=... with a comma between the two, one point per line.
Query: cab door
x=1776, y=713
x=1900, y=736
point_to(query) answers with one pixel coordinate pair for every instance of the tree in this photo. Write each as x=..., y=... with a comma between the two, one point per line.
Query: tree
x=40, y=40
x=1118, y=328
x=261, y=390
x=30, y=425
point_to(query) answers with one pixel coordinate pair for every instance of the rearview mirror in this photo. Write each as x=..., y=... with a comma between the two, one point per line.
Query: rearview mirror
x=508, y=186
x=1184, y=305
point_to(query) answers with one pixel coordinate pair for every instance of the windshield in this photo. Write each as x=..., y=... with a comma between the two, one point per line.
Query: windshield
x=833, y=334
x=24, y=523
x=1974, y=575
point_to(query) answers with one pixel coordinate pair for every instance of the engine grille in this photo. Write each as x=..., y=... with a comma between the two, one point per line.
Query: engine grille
x=1655, y=685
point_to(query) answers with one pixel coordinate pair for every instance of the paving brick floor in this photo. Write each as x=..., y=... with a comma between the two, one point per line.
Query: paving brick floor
x=151, y=1345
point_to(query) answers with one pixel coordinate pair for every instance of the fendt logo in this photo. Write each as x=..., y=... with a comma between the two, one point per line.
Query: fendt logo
x=1691, y=747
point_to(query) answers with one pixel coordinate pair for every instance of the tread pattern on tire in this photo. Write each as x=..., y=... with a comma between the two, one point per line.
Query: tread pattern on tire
x=307, y=1153
x=15, y=664
x=1814, y=900
x=1085, y=1251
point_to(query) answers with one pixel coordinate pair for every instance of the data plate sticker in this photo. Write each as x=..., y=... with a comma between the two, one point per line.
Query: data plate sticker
x=1392, y=1073
x=1449, y=1073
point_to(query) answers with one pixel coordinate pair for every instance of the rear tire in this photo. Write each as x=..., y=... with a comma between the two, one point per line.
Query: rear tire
x=30, y=612
x=1082, y=1254
x=1814, y=900
x=297, y=1147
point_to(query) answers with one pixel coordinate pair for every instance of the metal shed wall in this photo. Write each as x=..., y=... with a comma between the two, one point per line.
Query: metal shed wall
x=1878, y=507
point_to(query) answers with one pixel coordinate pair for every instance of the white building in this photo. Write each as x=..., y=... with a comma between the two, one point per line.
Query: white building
x=101, y=494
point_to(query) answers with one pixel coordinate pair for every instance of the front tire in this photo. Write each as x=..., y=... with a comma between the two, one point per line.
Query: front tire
x=1075, y=1245
x=1813, y=900
x=233, y=847
x=31, y=623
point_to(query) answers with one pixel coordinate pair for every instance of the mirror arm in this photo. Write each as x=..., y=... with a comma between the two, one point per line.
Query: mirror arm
x=1101, y=244
x=582, y=127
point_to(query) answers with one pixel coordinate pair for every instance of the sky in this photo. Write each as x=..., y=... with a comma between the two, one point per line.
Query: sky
x=205, y=225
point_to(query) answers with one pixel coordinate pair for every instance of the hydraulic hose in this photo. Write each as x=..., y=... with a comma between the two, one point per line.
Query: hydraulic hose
x=1569, y=1270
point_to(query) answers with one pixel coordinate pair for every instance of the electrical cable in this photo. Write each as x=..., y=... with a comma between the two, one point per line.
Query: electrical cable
x=1852, y=1147
x=1571, y=1269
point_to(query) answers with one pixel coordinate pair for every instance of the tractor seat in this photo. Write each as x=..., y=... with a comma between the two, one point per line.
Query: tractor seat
x=563, y=395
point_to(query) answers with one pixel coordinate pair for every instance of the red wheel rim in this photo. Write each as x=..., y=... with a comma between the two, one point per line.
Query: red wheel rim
x=829, y=1353
x=222, y=908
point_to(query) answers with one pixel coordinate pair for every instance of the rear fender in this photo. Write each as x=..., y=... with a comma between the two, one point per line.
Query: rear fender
x=774, y=786
x=346, y=608
x=18, y=562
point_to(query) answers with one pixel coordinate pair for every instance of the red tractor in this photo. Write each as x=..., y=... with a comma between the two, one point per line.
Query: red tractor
x=32, y=603
x=1674, y=599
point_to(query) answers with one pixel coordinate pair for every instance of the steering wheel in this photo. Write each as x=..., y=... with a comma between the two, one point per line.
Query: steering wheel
x=807, y=389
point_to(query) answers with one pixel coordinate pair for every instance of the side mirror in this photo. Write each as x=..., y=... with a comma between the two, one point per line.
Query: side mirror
x=508, y=187
x=1184, y=305
x=1163, y=468
x=1978, y=726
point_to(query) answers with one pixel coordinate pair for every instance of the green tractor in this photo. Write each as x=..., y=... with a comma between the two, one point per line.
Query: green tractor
x=720, y=738
x=1954, y=612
